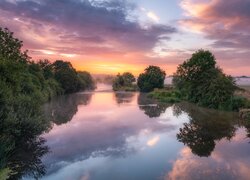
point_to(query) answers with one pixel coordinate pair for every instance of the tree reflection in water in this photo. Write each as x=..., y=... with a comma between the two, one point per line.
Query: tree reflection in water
x=151, y=107
x=205, y=127
x=26, y=159
x=124, y=97
x=21, y=148
x=62, y=109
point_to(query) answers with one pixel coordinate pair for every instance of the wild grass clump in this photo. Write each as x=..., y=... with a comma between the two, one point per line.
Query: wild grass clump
x=166, y=95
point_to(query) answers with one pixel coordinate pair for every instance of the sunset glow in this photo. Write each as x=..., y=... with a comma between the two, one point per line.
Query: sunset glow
x=111, y=36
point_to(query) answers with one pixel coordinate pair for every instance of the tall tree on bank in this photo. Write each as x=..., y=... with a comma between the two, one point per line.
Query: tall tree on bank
x=204, y=83
x=153, y=77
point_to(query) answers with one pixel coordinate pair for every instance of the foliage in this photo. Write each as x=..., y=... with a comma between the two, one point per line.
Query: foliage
x=24, y=86
x=86, y=81
x=124, y=82
x=201, y=82
x=4, y=173
x=166, y=95
x=67, y=76
x=239, y=102
x=10, y=47
x=128, y=78
x=153, y=77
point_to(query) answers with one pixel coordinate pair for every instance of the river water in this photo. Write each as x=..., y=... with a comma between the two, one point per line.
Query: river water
x=121, y=136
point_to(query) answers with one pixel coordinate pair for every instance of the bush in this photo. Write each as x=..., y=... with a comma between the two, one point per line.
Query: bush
x=86, y=81
x=168, y=96
x=203, y=83
x=124, y=82
x=239, y=102
x=153, y=77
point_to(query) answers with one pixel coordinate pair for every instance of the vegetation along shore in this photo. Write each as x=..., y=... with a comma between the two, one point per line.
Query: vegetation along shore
x=198, y=80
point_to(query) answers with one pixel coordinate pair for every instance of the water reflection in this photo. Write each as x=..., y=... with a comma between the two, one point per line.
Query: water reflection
x=230, y=160
x=60, y=110
x=21, y=148
x=205, y=127
x=246, y=124
x=150, y=107
x=26, y=159
x=107, y=135
x=124, y=97
x=98, y=130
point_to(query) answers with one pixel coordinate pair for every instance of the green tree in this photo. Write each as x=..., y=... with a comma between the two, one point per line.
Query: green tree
x=128, y=78
x=86, y=81
x=202, y=82
x=47, y=68
x=66, y=75
x=153, y=77
x=10, y=47
x=124, y=81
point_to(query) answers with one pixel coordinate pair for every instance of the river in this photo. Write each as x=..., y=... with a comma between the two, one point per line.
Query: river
x=121, y=136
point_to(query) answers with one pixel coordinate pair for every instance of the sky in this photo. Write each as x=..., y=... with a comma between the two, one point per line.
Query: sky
x=111, y=36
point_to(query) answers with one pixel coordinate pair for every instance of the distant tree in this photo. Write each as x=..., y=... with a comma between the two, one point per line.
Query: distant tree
x=128, y=78
x=86, y=81
x=118, y=82
x=153, y=77
x=202, y=82
x=123, y=81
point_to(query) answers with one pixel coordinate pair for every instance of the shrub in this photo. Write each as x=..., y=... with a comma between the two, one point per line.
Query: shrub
x=203, y=83
x=153, y=77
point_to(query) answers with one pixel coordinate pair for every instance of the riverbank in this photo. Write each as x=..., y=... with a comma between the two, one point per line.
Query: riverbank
x=241, y=99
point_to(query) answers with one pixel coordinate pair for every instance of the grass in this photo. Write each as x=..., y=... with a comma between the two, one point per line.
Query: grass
x=241, y=99
x=167, y=95
x=126, y=88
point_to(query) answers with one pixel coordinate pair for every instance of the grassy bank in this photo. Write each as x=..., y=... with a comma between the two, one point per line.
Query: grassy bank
x=167, y=95
x=131, y=88
x=171, y=95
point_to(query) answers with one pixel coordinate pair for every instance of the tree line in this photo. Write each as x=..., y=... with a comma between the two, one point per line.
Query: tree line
x=27, y=80
x=198, y=80
x=24, y=86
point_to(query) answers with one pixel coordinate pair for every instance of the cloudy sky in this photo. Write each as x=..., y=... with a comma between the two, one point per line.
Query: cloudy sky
x=110, y=36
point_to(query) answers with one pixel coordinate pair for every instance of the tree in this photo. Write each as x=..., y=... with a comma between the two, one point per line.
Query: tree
x=153, y=77
x=10, y=47
x=202, y=82
x=66, y=75
x=47, y=68
x=86, y=81
x=128, y=78
x=123, y=81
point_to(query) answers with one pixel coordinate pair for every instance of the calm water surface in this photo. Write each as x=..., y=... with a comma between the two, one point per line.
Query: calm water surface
x=113, y=136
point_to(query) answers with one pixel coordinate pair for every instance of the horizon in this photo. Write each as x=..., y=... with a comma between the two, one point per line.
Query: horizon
x=110, y=37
